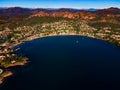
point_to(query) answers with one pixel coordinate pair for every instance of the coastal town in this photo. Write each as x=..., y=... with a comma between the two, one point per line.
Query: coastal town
x=27, y=30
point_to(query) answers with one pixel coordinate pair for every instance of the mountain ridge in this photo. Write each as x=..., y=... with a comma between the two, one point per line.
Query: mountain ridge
x=58, y=9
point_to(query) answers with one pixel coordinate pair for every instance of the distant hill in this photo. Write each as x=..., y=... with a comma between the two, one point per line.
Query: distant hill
x=14, y=10
x=19, y=10
x=15, y=14
x=92, y=9
x=111, y=10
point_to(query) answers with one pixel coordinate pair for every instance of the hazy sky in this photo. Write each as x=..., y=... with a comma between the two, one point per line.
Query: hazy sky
x=61, y=3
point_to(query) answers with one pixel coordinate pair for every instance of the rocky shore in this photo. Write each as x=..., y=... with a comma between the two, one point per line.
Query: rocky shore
x=8, y=73
x=18, y=63
x=4, y=75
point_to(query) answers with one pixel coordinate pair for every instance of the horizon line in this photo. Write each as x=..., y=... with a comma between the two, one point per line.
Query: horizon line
x=57, y=7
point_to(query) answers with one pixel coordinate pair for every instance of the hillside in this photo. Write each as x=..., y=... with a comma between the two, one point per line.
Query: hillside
x=104, y=23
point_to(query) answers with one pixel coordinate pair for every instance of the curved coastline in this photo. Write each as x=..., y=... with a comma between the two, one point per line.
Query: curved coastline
x=70, y=34
x=9, y=73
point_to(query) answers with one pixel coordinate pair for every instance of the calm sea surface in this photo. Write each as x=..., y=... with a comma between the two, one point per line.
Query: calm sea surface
x=66, y=63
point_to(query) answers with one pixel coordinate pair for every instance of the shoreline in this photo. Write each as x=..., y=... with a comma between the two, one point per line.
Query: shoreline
x=21, y=63
x=5, y=75
x=71, y=34
x=17, y=63
x=8, y=73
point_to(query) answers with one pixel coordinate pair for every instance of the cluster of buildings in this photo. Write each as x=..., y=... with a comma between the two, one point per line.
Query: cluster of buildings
x=62, y=27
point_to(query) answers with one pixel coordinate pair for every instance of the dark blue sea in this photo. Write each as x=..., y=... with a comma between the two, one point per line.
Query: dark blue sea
x=66, y=63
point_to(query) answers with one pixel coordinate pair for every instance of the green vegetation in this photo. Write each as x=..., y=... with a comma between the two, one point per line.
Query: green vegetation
x=37, y=20
x=102, y=27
